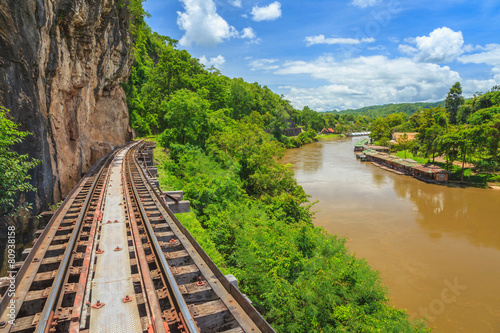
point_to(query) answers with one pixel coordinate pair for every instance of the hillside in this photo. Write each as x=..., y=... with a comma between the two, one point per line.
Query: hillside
x=376, y=111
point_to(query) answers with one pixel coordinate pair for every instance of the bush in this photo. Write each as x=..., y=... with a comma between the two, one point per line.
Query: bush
x=14, y=168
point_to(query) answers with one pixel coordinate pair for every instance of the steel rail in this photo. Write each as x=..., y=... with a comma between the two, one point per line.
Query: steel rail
x=87, y=260
x=188, y=318
x=20, y=276
x=57, y=284
x=152, y=300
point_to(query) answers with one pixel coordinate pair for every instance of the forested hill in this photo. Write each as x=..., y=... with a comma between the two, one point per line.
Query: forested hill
x=376, y=111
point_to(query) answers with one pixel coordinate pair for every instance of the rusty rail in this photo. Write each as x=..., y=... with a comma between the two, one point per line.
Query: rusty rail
x=62, y=271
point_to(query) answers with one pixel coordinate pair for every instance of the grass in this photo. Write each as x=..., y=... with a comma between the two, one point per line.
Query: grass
x=329, y=136
x=421, y=160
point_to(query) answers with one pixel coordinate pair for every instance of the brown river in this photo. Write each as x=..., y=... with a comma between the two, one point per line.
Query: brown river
x=437, y=248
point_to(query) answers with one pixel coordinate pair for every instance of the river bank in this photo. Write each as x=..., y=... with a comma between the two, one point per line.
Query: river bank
x=422, y=238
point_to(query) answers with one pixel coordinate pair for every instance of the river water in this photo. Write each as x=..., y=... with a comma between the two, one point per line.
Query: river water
x=437, y=248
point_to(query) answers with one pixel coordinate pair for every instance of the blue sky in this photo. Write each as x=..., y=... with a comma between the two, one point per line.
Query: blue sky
x=330, y=54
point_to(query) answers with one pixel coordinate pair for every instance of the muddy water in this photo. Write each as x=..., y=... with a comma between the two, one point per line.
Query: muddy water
x=437, y=248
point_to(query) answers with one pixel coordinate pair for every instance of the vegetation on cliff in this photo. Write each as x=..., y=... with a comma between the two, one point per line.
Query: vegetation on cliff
x=221, y=139
x=14, y=168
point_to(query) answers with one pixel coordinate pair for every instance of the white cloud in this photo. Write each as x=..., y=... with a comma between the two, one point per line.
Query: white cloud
x=264, y=64
x=267, y=13
x=236, y=3
x=407, y=49
x=443, y=45
x=365, y=3
x=320, y=39
x=490, y=56
x=248, y=33
x=366, y=81
x=470, y=87
x=202, y=24
x=216, y=62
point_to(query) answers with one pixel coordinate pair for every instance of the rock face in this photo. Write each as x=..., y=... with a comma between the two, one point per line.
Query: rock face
x=61, y=63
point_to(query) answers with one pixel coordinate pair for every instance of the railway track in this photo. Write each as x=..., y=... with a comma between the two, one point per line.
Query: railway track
x=114, y=258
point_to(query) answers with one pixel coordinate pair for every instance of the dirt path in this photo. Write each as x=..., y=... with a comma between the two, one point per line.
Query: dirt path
x=458, y=163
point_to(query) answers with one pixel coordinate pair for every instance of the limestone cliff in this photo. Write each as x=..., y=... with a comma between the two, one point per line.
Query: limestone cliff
x=61, y=63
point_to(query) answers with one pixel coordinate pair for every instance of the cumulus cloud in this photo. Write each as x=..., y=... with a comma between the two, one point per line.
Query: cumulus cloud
x=248, y=33
x=321, y=39
x=216, y=62
x=443, y=45
x=267, y=13
x=365, y=3
x=366, y=81
x=202, y=24
x=264, y=64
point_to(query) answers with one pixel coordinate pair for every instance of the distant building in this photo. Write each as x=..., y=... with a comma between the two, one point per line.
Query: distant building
x=328, y=131
x=411, y=136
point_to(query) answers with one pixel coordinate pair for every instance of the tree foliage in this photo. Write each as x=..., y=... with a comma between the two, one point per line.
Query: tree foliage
x=453, y=101
x=14, y=168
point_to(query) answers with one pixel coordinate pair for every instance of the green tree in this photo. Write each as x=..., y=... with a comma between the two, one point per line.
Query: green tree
x=280, y=121
x=433, y=123
x=491, y=119
x=459, y=142
x=312, y=119
x=14, y=168
x=403, y=143
x=380, y=130
x=186, y=119
x=453, y=101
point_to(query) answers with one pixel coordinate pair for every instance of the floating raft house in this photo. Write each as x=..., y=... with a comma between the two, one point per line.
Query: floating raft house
x=427, y=172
